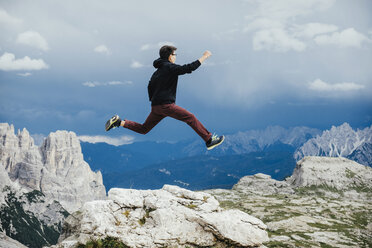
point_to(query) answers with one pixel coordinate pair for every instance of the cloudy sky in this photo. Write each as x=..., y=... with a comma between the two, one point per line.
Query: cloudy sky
x=73, y=64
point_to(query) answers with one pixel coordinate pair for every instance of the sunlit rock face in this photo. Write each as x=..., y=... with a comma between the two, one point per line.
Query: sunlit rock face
x=56, y=168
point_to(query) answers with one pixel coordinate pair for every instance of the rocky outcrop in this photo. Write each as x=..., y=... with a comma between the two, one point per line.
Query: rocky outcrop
x=20, y=156
x=169, y=217
x=339, y=173
x=262, y=184
x=326, y=202
x=339, y=141
x=66, y=177
x=56, y=168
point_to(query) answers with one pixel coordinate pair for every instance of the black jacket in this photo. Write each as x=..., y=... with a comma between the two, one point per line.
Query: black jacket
x=162, y=87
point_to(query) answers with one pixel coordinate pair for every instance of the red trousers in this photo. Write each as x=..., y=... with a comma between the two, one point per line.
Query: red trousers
x=158, y=112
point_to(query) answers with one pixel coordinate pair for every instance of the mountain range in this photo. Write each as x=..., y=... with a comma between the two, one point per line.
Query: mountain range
x=42, y=185
x=341, y=141
x=272, y=151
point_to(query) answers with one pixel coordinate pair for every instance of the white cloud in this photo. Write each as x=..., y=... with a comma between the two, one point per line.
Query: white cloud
x=7, y=20
x=319, y=85
x=310, y=30
x=95, y=83
x=272, y=25
x=165, y=171
x=284, y=10
x=263, y=23
x=276, y=40
x=155, y=46
x=346, y=38
x=26, y=74
x=180, y=182
x=9, y=63
x=136, y=64
x=122, y=140
x=102, y=49
x=33, y=39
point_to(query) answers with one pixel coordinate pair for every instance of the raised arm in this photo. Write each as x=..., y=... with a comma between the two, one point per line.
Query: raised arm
x=206, y=55
x=188, y=68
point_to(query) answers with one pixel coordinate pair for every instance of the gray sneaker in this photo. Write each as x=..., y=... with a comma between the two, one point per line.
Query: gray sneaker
x=214, y=141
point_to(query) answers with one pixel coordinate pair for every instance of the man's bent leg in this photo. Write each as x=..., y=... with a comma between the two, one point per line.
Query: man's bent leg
x=182, y=114
x=144, y=128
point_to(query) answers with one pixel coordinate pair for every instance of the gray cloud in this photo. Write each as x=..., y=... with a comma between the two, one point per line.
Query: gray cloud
x=346, y=38
x=102, y=49
x=7, y=20
x=156, y=46
x=319, y=85
x=136, y=65
x=264, y=52
x=33, y=39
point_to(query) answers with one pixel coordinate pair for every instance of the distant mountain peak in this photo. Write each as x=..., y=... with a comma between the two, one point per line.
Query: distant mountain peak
x=339, y=141
x=56, y=168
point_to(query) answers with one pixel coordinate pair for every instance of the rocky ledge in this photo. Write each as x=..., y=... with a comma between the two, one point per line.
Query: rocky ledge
x=169, y=217
x=325, y=203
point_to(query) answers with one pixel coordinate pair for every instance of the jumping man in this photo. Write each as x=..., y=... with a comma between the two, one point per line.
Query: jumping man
x=162, y=94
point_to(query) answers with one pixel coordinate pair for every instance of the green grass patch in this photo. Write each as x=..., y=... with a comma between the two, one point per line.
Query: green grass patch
x=361, y=219
x=277, y=244
x=228, y=204
x=192, y=206
x=324, y=245
x=318, y=190
x=142, y=221
x=349, y=173
x=108, y=242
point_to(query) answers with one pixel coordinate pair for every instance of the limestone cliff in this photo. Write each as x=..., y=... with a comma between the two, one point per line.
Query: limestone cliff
x=56, y=168
x=339, y=173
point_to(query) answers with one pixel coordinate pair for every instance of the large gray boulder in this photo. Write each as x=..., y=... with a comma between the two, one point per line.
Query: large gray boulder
x=262, y=184
x=339, y=173
x=169, y=217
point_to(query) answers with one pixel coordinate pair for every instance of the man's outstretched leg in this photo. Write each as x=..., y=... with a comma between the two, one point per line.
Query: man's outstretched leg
x=182, y=114
x=152, y=120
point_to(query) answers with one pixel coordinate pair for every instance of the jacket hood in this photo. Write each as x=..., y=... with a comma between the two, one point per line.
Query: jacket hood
x=159, y=62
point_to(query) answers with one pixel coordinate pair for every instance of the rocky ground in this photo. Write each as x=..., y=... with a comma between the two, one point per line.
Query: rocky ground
x=305, y=216
x=169, y=217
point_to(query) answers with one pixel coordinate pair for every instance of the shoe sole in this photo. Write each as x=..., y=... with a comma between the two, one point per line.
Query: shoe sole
x=109, y=124
x=211, y=147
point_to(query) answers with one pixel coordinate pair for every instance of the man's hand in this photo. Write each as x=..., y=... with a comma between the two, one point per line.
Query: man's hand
x=206, y=55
